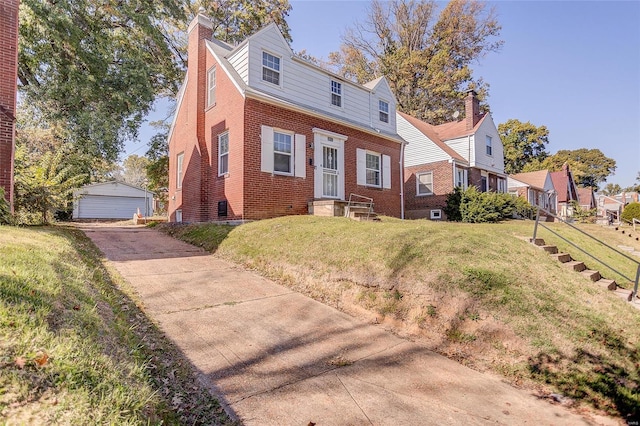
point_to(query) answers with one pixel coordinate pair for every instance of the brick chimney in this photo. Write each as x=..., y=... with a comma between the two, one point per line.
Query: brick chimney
x=200, y=30
x=8, y=89
x=471, y=110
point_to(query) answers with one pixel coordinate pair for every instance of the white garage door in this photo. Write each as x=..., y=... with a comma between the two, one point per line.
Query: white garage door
x=106, y=207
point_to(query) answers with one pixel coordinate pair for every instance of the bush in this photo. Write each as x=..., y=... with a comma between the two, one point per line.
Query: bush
x=631, y=211
x=5, y=212
x=472, y=206
x=523, y=208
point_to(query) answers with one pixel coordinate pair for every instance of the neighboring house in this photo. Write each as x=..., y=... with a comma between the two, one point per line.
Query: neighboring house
x=586, y=198
x=261, y=133
x=111, y=200
x=457, y=154
x=566, y=191
x=8, y=89
x=535, y=187
x=610, y=207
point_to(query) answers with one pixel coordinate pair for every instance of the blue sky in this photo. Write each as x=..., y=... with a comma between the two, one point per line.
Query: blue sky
x=573, y=66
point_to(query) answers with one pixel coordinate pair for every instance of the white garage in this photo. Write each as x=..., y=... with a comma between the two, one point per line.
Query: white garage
x=111, y=200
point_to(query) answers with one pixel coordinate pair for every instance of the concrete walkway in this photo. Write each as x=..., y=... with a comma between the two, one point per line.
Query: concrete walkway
x=275, y=357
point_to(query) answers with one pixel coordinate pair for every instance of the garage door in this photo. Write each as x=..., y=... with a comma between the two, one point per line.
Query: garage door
x=106, y=207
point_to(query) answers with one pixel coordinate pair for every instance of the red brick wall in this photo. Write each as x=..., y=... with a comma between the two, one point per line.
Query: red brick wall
x=420, y=206
x=267, y=195
x=8, y=79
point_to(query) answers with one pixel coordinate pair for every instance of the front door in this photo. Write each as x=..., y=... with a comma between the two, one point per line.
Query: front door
x=329, y=162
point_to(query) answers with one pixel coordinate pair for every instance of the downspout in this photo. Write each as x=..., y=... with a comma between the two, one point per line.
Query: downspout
x=402, y=180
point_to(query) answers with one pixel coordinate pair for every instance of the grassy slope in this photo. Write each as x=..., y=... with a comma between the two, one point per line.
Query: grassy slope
x=477, y=293
x=74, y=349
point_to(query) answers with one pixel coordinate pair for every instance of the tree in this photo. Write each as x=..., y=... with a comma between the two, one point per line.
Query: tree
x=44, y=186
x=523, y=143
x=426, y=60
x=97, y=66
x=634, y=188
x=611, y=189
x=590, y=167
x=134, y=170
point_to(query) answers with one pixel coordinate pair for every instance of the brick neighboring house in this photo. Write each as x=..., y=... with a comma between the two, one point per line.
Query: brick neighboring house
x=8, y=89
x=566, y=189
x=586, y=198
x=535, y=187
x=439, y=158
x=260, y=133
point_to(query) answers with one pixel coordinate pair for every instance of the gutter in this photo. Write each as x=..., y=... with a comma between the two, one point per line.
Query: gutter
x=402, y=180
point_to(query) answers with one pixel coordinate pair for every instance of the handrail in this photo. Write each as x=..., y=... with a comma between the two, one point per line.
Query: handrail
x=535, y=232
x=368, y=204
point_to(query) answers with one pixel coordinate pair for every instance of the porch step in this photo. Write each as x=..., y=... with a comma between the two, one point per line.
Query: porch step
x=537, y=241
x=550, y=249
x=562, y=257
x=577, y=266
x=608, y=284
x=592, y=275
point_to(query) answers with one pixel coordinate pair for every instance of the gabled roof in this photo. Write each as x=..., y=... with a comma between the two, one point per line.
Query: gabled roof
x=586, y=197
x=563, y=183
x=534, y=179
x=429, y=131
x=456, y=129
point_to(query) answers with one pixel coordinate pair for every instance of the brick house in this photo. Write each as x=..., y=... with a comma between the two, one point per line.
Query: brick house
x=8, y=89
x=260, y=133
x=566, y=189
x=535, y=187
x=438, y=159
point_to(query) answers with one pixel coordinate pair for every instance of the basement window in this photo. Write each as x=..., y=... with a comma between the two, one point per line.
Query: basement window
x=436, y=214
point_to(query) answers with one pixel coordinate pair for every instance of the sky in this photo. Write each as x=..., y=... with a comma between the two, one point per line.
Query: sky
x=572, y=66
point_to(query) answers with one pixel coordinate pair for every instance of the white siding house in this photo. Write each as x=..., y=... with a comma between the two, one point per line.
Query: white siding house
x=111, y=200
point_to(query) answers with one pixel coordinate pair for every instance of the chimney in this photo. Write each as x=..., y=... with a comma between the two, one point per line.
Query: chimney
x=471, y=110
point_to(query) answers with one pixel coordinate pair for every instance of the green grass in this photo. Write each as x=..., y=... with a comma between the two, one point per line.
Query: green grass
x=479, y=293
x=74, y=347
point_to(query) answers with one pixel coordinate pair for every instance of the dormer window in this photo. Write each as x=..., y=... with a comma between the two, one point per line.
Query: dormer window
x=270, y=68
x=383, y=109
x=336, y=93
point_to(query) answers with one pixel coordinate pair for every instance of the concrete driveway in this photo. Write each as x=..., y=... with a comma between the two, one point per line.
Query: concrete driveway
x=276, y=357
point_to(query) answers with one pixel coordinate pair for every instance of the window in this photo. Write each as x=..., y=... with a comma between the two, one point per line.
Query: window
x=383, y=108
x=502, y=185
x=223, y=153
x=436, y=214
x=179, y=215
x=373, y=169
x=180, y=160
x=461, y=178
x=211, y=87
x=270, y=68
x=484, y=182
x=283, y=152
x=424, y=183
x=489, y=147
x=336, y=93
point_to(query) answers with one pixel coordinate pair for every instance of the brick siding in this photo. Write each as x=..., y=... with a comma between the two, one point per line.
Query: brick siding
x=420, y=206
x=8, y=81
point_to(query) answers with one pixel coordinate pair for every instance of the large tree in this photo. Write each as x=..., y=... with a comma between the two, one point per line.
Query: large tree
x=523, y=143
x=590, y=167
x=426, y=56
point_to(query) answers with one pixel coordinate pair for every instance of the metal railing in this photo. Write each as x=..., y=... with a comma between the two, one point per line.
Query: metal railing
x=365, y=202
x=634, y=293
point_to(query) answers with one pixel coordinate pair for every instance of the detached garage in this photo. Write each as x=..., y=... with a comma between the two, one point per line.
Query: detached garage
x=111, y=200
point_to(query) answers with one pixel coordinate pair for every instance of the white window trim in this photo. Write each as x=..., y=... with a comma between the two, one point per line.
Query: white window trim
x=178, y=216
x=380, y=111
x=488, y=145
x=435, y=214
x=423, y=194
x=220, y=154
x=290, y=154
x=211, y=88
x=279, y=71
x=298, y=152
x=465, y=178
x=361, y=169
x=339, y=95
x=179, y=170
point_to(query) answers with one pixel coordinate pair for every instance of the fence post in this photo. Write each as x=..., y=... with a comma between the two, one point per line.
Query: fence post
x=635, y=287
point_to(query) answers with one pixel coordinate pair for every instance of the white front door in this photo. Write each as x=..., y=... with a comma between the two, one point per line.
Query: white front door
x=329, y=162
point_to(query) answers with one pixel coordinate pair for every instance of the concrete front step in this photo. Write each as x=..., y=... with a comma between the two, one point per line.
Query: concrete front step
x=576, y=265
x=592, y=275
x=537, y=241
x=562, y=257
x=608, y=284
x=550, y=249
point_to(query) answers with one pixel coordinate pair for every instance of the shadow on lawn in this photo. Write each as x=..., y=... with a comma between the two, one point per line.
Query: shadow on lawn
x=610, y=385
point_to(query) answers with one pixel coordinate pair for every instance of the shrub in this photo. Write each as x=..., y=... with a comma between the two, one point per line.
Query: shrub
x=452, y=209
x=523, y=208
x=5, y=212
x=631, y=211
